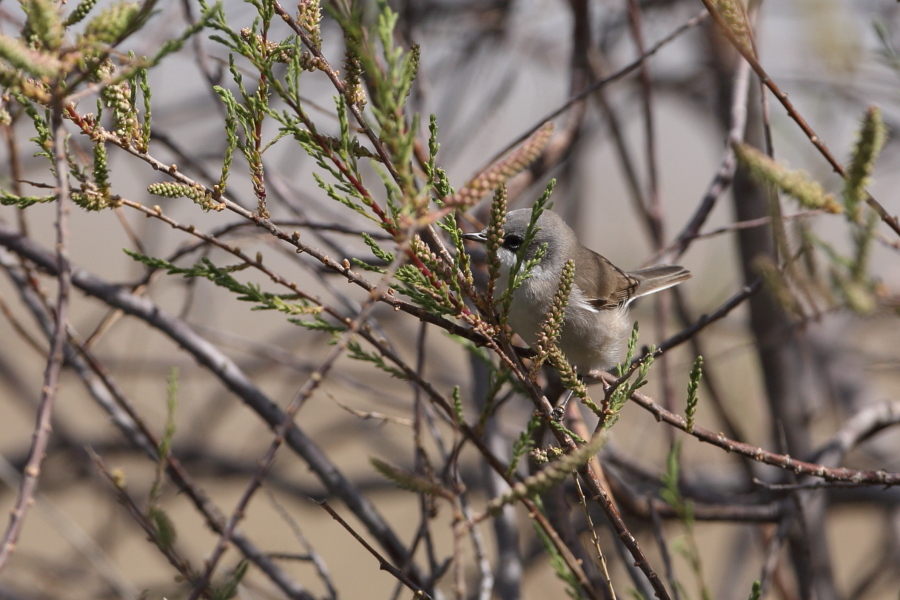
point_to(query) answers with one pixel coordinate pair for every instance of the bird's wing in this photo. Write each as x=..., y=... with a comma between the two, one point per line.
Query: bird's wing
x=611, y=288
x=657, y=278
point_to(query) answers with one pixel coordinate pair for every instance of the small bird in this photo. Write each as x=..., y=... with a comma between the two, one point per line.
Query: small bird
x=596, y=327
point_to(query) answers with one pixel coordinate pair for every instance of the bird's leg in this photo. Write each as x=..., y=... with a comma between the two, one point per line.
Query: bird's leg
x=560, y=410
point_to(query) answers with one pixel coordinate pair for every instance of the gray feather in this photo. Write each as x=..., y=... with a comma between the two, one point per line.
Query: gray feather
x=660, y=277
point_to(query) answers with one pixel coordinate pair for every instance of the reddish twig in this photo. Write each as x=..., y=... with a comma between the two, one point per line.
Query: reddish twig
x=783, y=461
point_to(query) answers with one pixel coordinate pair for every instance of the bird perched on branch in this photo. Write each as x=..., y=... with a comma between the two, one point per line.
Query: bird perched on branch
x=596, y=327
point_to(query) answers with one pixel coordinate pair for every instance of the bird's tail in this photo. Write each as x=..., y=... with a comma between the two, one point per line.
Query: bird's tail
x=660, y=277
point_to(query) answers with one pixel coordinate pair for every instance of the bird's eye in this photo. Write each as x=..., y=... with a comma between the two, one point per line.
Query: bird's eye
x=513, y=242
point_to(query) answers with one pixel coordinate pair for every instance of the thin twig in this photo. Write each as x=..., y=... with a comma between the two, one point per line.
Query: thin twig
x=782, y=97
x=181, y=564
x=595, y=540
x=659, y=534
x=725, y=174
x=314, y=557
x=383, y=564
x=49, y=390
x=627, y=69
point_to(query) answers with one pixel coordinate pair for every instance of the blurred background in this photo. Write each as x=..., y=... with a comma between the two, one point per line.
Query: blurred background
x=633, y=161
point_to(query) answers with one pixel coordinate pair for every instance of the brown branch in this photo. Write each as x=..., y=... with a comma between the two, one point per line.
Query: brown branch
x=341, y=88
x=782, y=461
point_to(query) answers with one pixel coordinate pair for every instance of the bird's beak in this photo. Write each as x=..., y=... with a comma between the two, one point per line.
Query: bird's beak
x=480, y=237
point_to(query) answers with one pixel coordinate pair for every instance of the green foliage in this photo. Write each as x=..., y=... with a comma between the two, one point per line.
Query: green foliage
x=851, y=283
x=459, y=275
x=382, y=255
x=20, y=59
x=734, y=15
x=671, y=494
x=870, y=140
x=164, y=528
x=557, y=425
x=43, y=24
x=101, y=169
x=693, y=385
x=210, y=12
x=436, y=282
x=81, y=11
x=497, y=378
x=140, y=83
x=373, y=130
x=458, y=405
x=523, y=444
x=390, y=77
x=557, y=562
x=571, y=380
x=43, y=66
x=94, y=195
x=229, y=589
x=8, y=199
x=117, y=96
x=309, y=17
x=165, y=443
x=796, y=184
x=552, y=323
x=888, y=53
x=623, y=366
x=755, y=591
x=495, y=240
x=116, y=22
x=317, y=323
x=356, y=352
x=197, y=193
x=431, y=174
x=221, y=276
x=43, y=138
x=410, y=481
x=618, y=395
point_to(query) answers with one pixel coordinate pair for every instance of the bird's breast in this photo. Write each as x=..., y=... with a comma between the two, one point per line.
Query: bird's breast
x=591, y=338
